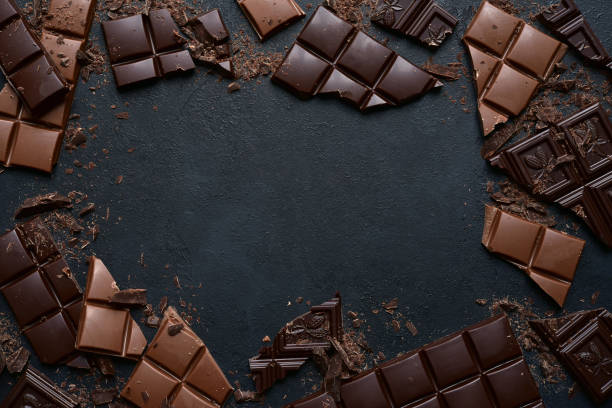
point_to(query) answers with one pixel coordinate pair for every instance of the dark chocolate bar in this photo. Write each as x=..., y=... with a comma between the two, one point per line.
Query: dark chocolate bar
x=210, y=30
x=480, y=366
x=40, y=289
x=268, y=17
x=510, y=59
x=569, y=24
x=177, y=370
x=141, y=47
x=106, y=328
x=583, y=343
x=423, y=20
x=547, y=256
x=33, y=389
x=569, y=164
x=295, y=343
x=331, y=57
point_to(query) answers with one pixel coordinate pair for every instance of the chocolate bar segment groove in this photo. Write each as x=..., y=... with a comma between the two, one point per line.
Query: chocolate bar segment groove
x=33, y=389
x=480, y=366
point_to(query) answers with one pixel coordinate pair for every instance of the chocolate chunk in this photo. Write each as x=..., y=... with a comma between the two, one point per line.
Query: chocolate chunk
x=294, y=344
x=331, y=57
x=175, y=328
x=210, y=30
x=130, y=297
x=42, y=203
x=105, y=365
x=16, y=362
x=268, y=17
x=423, y=20
x=33, y=389
x=152, y=321
x=105, y=328
x=181, y=362
x=510, y=60
x=81, y=362
x=583, y=343
x=100, y=397
x=480, y=366
x=547, y=256
x=145, y=47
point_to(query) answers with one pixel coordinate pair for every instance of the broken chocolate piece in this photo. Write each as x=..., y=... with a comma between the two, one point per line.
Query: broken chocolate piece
x=268, y=17
x=210, y=30
x=100, y=397
x=130, y=297
x=16, y=362
x=42, y=203
x=175, y=328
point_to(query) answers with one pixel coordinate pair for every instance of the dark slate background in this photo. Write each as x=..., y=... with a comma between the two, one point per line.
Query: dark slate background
x=261, y=198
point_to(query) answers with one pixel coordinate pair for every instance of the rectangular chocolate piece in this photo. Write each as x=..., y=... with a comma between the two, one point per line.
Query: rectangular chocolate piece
x=105, y=328
x=510, y=59
x=569, y=164
x=331, y=57
x=142, y=47
x=549, y=257
x=40, y=289
x=423, y=20
x=34, y=140
x=295, y=343
x=583, y=343
x=210, y=30
x=480, y=366
x=177, y=370
x=34, y=389
x=25, y=62
x=270, y=16
x=569, y=24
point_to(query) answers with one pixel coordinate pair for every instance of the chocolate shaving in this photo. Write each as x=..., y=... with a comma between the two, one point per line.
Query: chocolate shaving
x=42, y=203
x=89, y=208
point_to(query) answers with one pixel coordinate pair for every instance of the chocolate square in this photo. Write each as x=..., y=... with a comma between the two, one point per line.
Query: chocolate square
x=365, y=391
x=269, y=16
x=463, y=364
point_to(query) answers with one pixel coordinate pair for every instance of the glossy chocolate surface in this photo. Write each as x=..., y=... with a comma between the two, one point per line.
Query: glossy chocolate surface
x=177, y=369
x=423, y=20
x=510, y=59
x=295, y=343
x=583, y=343
x=33, y=389
x=270, y=16
x=105, y=328
x=142, y=47
x=547, y=256
x=40, y=289
x=331, y=57
x=480, y=366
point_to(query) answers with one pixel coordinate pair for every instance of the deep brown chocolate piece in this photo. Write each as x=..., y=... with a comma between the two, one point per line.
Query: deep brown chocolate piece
x=270, y=16
x=480, y=366
x=423, y=20
x=41, y=291
x=583, y=343
x=17, y=361
x=569, y=164
x=510, y=60
x=36, y=390
x=331, y=57
x=210, y=30
x=130, y=297
x=568, y=23
x=103, y=327
x=547, y=256
x=42, y=203
x=296, y=342
x=177, y=371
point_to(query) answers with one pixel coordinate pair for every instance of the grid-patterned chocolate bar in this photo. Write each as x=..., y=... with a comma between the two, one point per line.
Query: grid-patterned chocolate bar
x=561, y=163
x=34, y=389
x=331, y=57
x=510, y=59
x=547, y=256
x=423, y=20
x=481, y=366
x=145, y=47
x=177, y=370
x=39, y=288
x=583, y=343
x=569, y=24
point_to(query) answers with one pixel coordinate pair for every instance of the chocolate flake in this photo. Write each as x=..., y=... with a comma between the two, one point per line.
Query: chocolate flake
x=42, y=203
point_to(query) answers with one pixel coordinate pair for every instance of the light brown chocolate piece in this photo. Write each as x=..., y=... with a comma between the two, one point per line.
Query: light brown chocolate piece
x=269, y=16
x=549, y=257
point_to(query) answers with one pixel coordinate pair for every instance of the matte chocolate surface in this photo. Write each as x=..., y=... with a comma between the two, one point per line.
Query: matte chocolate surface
x=145, y=47
x=25, y=63
x=568, y=23
x=547, y=256
x=40, y=289
x=270, y=16
x=103, y=327
x=569, y=164
x=510, y=59
x=331, y=57
x=583, y=343
x=177, y=369
x=423, y=20
x=481, y=366
x=211, y=31
x=33, y=389
x=295, y=343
